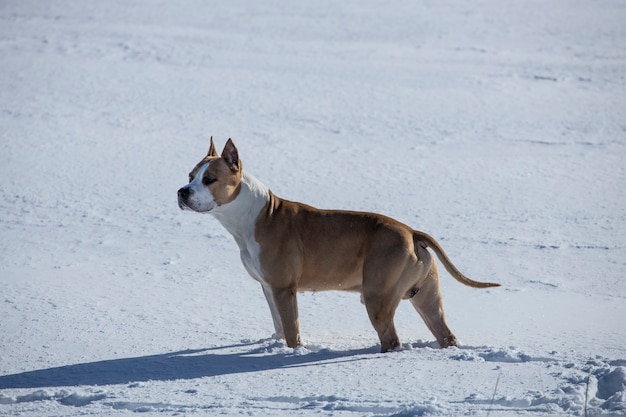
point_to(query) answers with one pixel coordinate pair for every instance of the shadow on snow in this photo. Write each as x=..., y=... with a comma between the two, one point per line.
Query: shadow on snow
x=188, y=364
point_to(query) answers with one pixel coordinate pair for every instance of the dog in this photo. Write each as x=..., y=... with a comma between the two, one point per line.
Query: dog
x=290, y=247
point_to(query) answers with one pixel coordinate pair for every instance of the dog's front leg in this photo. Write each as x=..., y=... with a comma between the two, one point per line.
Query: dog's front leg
x=287, y=305
x=278, y=325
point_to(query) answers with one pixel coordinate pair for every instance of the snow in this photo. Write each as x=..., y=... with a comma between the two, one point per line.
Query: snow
x=496, y=127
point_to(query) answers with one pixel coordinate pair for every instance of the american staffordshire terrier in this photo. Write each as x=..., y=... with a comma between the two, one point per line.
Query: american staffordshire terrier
x=289, y=247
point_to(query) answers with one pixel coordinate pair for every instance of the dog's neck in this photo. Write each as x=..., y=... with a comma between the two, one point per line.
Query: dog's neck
x=239, y=216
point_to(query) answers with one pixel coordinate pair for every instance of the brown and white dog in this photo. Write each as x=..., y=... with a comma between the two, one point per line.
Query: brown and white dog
x=289, y=247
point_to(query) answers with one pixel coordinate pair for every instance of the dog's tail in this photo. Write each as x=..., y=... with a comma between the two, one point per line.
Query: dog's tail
x=427, y=241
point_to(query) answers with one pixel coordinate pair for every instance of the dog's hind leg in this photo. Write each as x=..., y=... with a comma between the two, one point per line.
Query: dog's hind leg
x=428, y=303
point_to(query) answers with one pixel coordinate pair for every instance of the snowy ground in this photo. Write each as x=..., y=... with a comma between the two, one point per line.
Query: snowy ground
x=497, y=127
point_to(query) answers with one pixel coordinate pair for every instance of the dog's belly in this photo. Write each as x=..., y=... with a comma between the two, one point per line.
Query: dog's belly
x=326, y=279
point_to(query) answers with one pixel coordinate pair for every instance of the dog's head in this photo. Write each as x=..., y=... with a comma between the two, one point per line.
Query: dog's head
x=214, y=181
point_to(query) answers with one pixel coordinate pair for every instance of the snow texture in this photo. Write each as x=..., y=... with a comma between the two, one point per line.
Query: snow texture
x=497, y=127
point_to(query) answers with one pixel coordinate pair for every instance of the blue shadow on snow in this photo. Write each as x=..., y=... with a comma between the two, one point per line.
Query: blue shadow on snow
x=188, y=364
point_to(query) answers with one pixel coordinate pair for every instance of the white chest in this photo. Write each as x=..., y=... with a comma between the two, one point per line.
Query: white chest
x=250, y=257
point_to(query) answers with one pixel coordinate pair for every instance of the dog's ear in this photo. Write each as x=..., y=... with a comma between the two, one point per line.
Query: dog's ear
x=231, y=155
x=212, y=150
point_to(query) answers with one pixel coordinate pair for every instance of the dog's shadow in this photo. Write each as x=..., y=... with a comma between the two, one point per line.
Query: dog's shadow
x=188, y=364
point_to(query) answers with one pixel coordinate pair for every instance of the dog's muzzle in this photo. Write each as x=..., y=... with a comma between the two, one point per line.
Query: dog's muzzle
x=196, y=199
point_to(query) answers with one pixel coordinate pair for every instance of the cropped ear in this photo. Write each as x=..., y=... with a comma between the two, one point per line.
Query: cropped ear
x=231, y=155
x=212, y=150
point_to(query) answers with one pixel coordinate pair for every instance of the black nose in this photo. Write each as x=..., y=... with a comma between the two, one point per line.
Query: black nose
x=184, y=192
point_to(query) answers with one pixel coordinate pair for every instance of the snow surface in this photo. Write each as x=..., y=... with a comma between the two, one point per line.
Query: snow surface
x=497, y=127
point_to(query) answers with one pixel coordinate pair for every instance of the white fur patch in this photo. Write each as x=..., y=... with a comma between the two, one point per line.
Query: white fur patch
x=239, y=218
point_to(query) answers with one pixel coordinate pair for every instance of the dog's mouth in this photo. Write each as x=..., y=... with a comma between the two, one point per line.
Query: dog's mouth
x=182, y=204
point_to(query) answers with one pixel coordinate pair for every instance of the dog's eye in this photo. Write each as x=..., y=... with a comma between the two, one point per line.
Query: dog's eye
x=208, y=180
